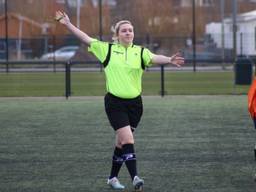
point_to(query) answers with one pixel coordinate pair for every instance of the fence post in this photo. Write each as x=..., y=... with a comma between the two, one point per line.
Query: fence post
x=54, y=58
x=67, y=78
x=6, y=37
x=162, y=81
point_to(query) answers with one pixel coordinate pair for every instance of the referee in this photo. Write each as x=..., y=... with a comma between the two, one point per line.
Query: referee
x=124, y=64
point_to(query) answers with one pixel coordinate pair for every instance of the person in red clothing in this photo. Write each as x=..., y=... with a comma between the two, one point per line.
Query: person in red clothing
x=252, y=109
x=252, y=101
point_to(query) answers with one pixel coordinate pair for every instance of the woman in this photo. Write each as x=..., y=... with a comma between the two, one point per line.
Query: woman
x=123, y=66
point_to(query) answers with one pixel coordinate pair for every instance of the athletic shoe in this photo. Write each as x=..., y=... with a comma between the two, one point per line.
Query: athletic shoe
x=138, y=183
x=114, y=183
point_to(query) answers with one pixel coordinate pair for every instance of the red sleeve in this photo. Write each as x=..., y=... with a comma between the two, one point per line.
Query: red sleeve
x=252, y=99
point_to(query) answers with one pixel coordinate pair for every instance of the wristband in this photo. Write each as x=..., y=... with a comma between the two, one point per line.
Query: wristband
x=59, y=18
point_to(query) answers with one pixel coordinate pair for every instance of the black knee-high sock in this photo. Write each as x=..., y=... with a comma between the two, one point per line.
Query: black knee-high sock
x=130, y=159
x=117, y=162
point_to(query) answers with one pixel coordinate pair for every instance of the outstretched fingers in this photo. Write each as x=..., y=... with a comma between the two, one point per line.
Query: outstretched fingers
x=177, y=59
x=59, y=15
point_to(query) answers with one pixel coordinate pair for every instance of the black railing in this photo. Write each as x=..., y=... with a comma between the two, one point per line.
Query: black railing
x=72, y=66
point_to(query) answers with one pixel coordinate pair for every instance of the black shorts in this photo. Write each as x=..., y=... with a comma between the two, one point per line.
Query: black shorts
x=123, y=112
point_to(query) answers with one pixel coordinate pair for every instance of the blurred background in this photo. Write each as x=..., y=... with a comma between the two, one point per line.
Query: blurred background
x=210, y=34
x=164, y=26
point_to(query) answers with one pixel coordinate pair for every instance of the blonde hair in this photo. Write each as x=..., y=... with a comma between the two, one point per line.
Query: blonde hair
x=115, y=29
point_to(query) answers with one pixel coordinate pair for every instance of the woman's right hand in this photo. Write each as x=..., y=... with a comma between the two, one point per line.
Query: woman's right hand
x=62, y=17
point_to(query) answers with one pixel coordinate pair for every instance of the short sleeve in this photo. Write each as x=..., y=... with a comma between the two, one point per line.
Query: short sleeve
x=147, y=57
x=99, y=49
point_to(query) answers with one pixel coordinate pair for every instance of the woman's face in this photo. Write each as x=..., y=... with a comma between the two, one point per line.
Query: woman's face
x=125, y=34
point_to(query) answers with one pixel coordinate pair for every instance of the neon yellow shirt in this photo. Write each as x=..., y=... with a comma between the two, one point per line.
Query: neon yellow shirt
x=123, y=72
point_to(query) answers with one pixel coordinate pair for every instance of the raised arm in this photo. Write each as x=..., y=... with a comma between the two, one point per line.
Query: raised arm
x=175, y=59
x=64, y=19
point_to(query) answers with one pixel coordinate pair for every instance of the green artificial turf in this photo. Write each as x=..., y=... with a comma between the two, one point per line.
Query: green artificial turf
x=93, y=84
x=183, y=143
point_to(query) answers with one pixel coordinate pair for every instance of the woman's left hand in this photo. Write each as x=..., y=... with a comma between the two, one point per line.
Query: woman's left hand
x=177, y=59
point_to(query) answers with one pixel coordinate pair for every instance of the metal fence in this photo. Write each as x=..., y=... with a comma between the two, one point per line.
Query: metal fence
x=31, y=41
x=164, y=27
x=47, y=53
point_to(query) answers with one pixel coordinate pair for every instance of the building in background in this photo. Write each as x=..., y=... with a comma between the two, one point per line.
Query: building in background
x=165, y=26
x=20, y=29
x=246, y=33
x=200, y=3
